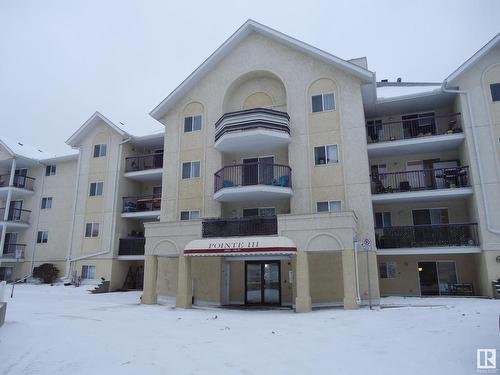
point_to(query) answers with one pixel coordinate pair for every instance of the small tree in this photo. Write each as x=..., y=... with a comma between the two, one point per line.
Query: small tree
x=46, y=272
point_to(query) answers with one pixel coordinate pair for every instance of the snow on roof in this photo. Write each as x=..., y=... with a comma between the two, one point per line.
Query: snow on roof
x=21, y=149
x=396, y=92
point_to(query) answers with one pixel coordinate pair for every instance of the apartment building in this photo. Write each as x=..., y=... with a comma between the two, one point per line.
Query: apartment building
x=278, y=166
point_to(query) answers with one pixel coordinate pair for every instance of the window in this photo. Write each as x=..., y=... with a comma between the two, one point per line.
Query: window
x=50, y=170
x=191, y=169
x=329, y=206
x=192, y=123
x=96, y=189
x=190, y=215
x=323, y=102
x=91, y=230
x=430, y=216
x=261, y=211
x=387, y=270
x=383, y=219
x=495, y=92
x=42, y=236
x=157, y=191
x=328, y=154
x=88, y=272
x=46, y=203
x=99, y=150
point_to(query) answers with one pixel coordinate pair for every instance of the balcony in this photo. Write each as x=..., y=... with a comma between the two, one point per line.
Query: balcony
x=253, y=181
x=23, y=185
x=244, y=226
x=441, y=238
x=142, y=207
x=132, y=247
x=16, y=217
x=144, y=167
x=252, y=130
x=423, y=134
x=13, y=252
x=423, y=185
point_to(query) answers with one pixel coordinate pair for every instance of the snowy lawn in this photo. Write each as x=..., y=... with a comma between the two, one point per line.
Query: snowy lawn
x=61, y=329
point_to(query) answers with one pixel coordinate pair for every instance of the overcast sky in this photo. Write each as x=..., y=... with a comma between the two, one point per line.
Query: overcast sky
x=62, y=60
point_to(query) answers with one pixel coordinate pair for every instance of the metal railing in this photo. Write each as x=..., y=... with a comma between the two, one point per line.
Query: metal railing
x=255, y=118
x=259, y=173
x=142, y=203
x=426, y=179
x=13, y=251
x=440, y=235
x=132, y=246
x=16, y=214
x=243, y=226
x=413, y=128
x=144, y=162
x=22, y=182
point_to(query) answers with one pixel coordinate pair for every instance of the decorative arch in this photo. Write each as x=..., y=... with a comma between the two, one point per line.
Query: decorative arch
x=166, y=248
x=252, y=85
x=258, y=100
x=324, y=242
x=192, y=109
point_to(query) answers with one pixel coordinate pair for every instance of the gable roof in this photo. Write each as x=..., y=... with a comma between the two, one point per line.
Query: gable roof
x=248, y=27
x=473, y=59
x=88, y=125
x=19, y=149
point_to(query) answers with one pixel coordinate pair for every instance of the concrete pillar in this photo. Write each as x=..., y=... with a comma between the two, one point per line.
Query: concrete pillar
x=149, y=296
x=349, y=275
x=184, y=298
x=303, y=299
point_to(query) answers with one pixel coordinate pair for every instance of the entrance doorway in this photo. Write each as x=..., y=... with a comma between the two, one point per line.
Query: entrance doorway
x=437, y=278
x=262, y=283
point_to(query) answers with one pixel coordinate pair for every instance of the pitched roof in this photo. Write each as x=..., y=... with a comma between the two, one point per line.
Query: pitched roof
x=88, y=125
x=473, y=59
x=248, y=27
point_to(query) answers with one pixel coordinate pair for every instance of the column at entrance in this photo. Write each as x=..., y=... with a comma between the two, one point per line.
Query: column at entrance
x=349, y=275
x=149, y=296
x=184, y=298
x=303, y=299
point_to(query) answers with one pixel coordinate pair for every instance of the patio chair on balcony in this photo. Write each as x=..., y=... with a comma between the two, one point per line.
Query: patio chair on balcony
x=227, y=183
x=380, y=188
x=404, y=186
x=282, y=181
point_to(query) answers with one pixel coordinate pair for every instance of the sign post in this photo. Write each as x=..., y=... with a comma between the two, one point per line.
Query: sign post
x=367, y=246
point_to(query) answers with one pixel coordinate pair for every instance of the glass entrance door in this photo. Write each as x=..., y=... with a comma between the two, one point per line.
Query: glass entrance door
x=263, y=283
x=437, y=278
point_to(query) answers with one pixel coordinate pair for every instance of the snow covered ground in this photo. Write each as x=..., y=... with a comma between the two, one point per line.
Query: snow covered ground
x=66, y=330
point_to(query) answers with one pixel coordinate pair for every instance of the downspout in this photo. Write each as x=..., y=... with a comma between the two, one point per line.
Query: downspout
x=72, y=229
x=356, y=271
x=477, y=153
x=37, y=223
x=113, y=224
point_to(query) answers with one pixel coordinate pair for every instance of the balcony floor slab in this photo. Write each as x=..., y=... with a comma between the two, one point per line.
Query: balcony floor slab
x=252, y=193
x=430, y=250
x=422, y=196
x=145, y=175
x=141, y=214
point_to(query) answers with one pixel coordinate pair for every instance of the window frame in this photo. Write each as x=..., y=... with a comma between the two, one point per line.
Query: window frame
x=190, y=213
x=325, y=148
x=42, y=236
x=191, y=169
x=323, y=94
x=86, y=273
x=48, y=203
x=50, y=170
x=96, y=183
x=192, y=122
x=329, y=202
x=99, y=148
x=388, y=275
x=382, y=215
x=93, y=232
x=495, y=86
x=258, y=211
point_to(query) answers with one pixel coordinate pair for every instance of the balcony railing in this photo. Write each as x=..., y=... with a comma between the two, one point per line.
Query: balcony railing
x=426, y=179
x=16, y=215
x=13, y=251
x=144, y=162
x=256, y=118
x=142, y=203
x=413, y=128
x=244, y=226
x=441, y=235
x=22, y=182
x=248, y=174
x=131, y=246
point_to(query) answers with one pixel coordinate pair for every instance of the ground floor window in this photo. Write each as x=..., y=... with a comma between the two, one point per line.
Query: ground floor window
x=88, y=272
x=387, y=270
x=6, y=273
x=190, y=215
x=261, y=211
